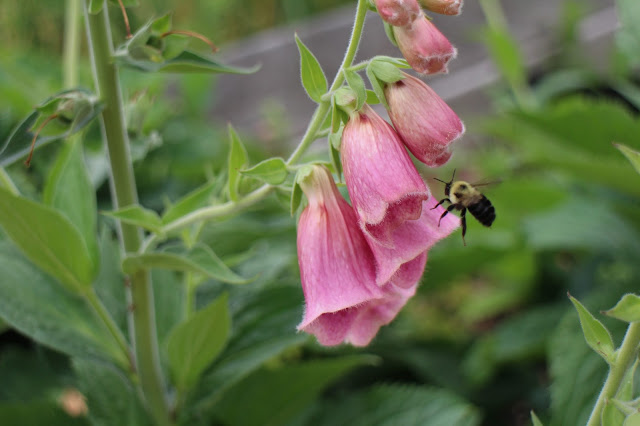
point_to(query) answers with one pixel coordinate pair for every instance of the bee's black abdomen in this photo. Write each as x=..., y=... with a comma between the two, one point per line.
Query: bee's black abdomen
x=483, y=211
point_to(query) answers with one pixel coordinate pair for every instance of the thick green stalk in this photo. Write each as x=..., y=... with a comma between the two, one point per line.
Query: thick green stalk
x=71, y=49
x=626, y=355
x=208, y=213
x=142, y=315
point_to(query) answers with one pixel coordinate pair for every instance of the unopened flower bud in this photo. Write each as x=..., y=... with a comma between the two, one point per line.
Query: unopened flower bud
x=426, y=49
x=445, y=7
x=426, y=124
x=398, y=12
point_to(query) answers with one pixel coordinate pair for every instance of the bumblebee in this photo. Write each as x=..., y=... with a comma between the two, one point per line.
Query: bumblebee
x=463, y=196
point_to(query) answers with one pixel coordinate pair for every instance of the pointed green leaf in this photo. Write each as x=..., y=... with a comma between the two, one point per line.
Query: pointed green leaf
x=162, y=24
x=200, y=259
x=194, y=200
x=628, y=34
x=298, y=385
x=137, y=215
x=632, y=155
x=126, y=3
x=357, y=84
x=69, y=190
x=184, y=63
x=33, y=303
x=535, y=420
x=596, y=334
x=377, y=86
x=195, y=343
x=313, y=78
x=48, y=239
x=272, y=171
x=95, y=6
x=627, y=309
x=238, y=159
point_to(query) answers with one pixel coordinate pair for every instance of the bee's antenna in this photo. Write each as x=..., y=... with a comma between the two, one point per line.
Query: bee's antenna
x=440, y=180
x=453, y=176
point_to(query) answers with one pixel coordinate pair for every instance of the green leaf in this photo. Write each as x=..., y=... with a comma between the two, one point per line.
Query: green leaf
x=238, y=159
x=150, y=60
x=372, y=98
x=75, y=108
x=396, y=405
x=200, y=259
x=628, y=35
x=137, y=215
x=377, y=86
x=95, y=6
x=535, y=421
x=507, y=56
x=596, y=334
x=357, y=84
x=298, y=385
x=313, y=78
x=335, y=140
x=49, y=240
x=111, y=397
x=632, y=420
x=162, y=24
x=272, y=171
x=632, y=155
x=627, y=309
x=69, y=190
x=195, y=343
x=126, y=3
x=190, y=202
x=35, y=305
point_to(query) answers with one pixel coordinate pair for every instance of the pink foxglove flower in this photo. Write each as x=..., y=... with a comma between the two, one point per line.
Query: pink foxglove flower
x=384, y=185
x=398, y=12
x=424, y=46
x=423, y=120
x=445, y=7
x=410, y=240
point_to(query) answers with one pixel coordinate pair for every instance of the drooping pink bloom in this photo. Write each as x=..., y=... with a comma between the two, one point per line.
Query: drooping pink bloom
x=384, y=185
x=410, y=240
x=445, y=7
x=337, y=268
x=426, y=124
x=398, y=12
x=424, y=46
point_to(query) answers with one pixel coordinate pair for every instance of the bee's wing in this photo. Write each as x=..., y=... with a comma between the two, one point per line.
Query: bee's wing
x=488, y=183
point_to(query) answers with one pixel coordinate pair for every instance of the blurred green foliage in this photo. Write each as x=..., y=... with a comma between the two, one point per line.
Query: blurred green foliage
x=491, y=334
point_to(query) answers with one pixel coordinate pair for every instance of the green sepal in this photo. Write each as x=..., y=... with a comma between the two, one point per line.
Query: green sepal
x=296, y=194
x=313, y=78
x=356, y=83
x=372, y=98
x=272, y=171
x=75, y=108
x=377, y=86
x=627, y=309
x=595, y=333
x=388, y=30
x=335, y=141
x=385, y=71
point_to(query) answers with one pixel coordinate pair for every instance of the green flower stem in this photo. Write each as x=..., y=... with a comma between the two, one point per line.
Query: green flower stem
x=142, y=315
x=71, y=48
x=310, y=135
x=92, y=298
x=626, y=355
x=323, y=108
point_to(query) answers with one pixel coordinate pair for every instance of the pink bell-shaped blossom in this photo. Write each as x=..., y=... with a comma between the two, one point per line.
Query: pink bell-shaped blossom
x=444, y=7
x=384, y=185
x=423, y=120
x=410, y=240
x=426, y=49
x=398, y=12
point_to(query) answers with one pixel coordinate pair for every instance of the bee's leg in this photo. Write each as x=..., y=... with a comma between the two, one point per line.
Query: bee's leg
x=441, y=201
x=463, y=222
x=446, y=212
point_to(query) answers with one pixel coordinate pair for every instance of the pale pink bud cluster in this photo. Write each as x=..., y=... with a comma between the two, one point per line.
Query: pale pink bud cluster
x=426, y=49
